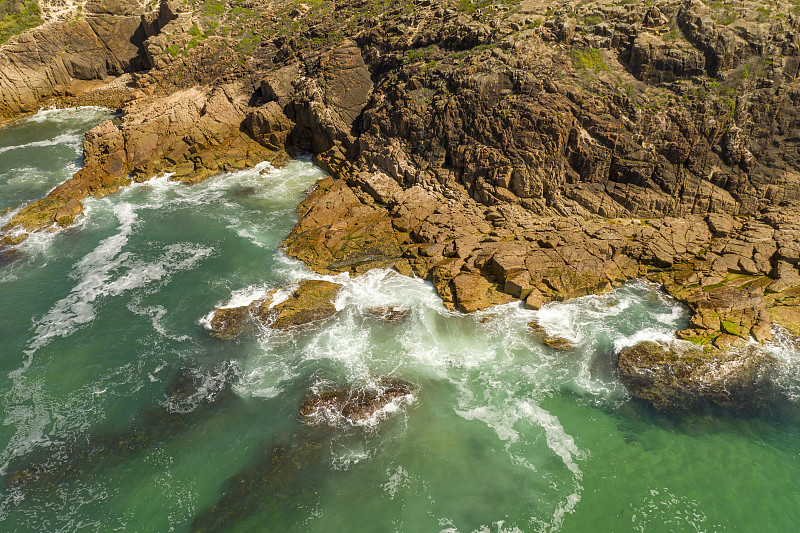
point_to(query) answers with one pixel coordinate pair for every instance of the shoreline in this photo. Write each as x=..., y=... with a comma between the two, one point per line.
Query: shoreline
x=562, y=186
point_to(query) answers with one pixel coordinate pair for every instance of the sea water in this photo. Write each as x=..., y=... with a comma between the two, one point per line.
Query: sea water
x=502, y=433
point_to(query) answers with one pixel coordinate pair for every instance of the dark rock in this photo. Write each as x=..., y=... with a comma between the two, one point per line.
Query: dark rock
x=674, y=379
x=354, y=406
x=228, y=322
x=192, y=397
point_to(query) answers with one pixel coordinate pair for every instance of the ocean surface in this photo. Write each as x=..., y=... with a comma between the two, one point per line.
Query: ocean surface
x=103, y=327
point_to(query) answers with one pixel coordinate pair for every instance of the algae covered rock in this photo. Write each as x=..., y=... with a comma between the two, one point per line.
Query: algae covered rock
x=552, y=341
x=312, y=301
x=353, y=405
x=388, y=314
x=674, y=378
x=228, y=322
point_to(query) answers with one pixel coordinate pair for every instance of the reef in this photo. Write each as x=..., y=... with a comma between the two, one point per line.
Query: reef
x=191, y=398
x=678, y=378
x=534, y=151
x=280, y=475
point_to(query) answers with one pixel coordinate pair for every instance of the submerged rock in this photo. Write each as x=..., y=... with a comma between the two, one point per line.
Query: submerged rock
x=388, y=314
x=353, y=405
x=7, y=255
x=192, y=397
x=552, y=341
x=279, y=480
x=673, y=378
x=282, y=476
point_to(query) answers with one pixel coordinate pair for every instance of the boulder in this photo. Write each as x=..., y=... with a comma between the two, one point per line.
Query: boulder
x=354, y=405
x=552, y=341
x=311, y=302
x=676, y=378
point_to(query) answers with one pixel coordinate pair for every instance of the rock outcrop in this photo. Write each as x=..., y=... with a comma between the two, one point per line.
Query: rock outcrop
x=193, y=134
x=354, y=405
x=675, y=378
x=312, y=301
x=540, y=151
x=101, y=41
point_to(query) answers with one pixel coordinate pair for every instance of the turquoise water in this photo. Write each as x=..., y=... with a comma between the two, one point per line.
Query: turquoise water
x=502, y=434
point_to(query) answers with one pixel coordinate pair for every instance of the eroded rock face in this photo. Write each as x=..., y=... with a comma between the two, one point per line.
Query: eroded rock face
x=673, y=378
x=194, y=134
x=104, y=40
x=738, y=275
x=340, y=232
x=354, y=405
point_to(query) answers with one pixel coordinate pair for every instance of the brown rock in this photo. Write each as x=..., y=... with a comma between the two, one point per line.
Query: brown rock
x=337, y=232
x=552, y=341
x=473, y=292
x=353, y=406
x=674, y=379
x=312, y=302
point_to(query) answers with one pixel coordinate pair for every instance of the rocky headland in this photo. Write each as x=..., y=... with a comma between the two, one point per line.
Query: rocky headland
x=533, y=150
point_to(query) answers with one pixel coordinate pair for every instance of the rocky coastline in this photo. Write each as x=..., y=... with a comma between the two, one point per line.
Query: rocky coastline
x=533, y=151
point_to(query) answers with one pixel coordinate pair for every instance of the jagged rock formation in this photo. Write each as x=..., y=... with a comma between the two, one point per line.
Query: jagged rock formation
x=534, y=150
x=193, y=133
x=103, y=40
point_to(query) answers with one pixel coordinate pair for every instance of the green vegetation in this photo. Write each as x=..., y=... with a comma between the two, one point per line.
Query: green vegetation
x=588, y=59
x=213, y=8
x=16, y=16
x=592, y=20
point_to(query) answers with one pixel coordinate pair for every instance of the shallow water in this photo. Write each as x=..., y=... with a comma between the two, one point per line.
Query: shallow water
x=502, y=434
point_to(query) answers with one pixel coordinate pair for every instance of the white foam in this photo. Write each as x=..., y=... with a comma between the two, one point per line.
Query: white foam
x=397, y=479
x=661, y=335
x=156, y=313
x=660, y=508
x=785, y=348
x=210, y=386
x=70, y=139
x=109, y=271
x=557, y=439
x=245, y=296
x=70, y=114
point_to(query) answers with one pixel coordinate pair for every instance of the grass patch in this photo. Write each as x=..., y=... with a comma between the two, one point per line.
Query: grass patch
x=16, y=16
x=588, y=59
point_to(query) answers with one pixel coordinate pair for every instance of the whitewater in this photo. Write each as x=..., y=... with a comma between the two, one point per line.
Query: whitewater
x=502, y=434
